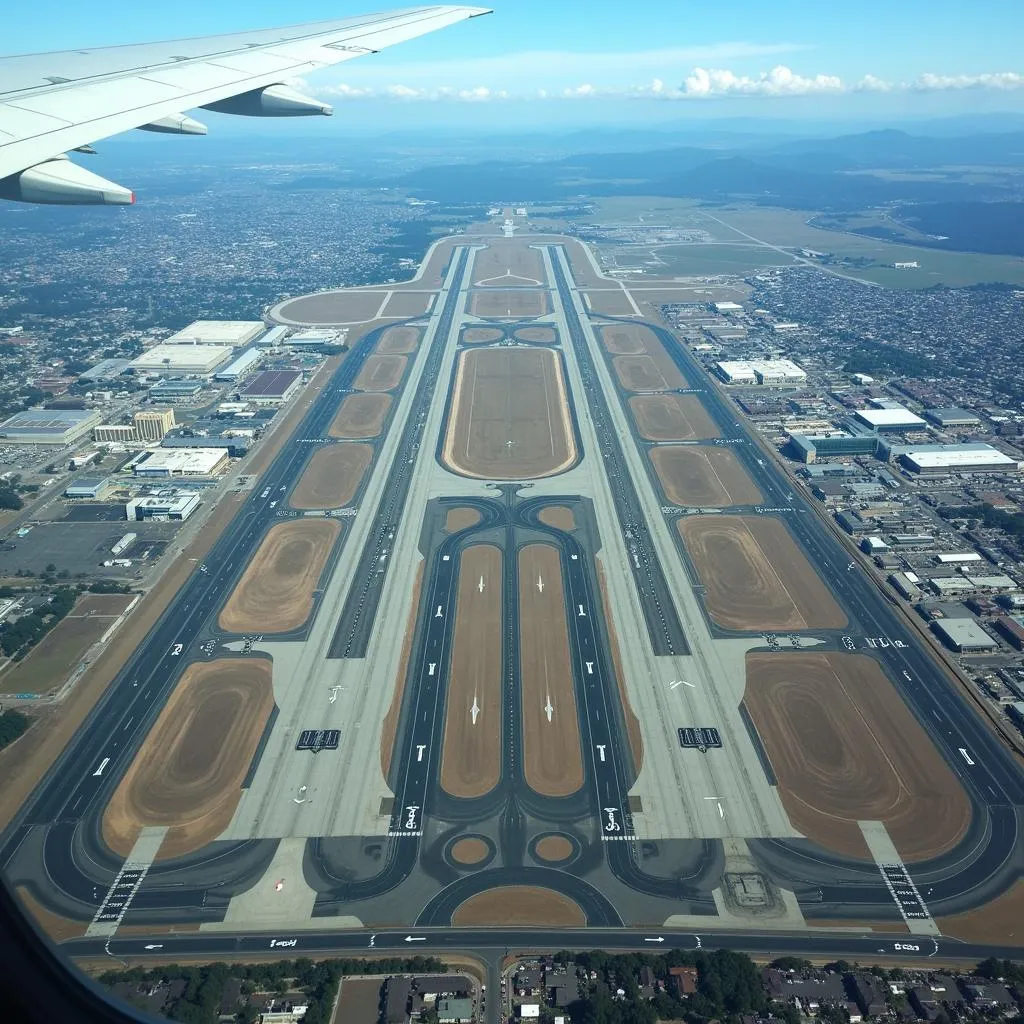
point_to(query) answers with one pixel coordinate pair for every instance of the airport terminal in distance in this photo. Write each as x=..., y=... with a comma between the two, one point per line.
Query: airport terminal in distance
x=523, y=638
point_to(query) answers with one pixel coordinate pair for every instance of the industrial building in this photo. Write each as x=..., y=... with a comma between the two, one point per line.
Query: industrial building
x=236, y=447
x=172, y=388
x=957, y=557
x=274, y=337
x=807, y=447
x=896, y=419
x=229, y=333
x=952, y=417
x=728, y=307
x=760, y=371
x=105, y=369
x=88, y=487
x=240, y=367
x=49, y=426
x=153, y=424
x=272, y=387
x=170, y=462
x=115, y=433
x=173, y=360
x=172, y=505
x=963, y=634
x=942, y=460
x=904, y=587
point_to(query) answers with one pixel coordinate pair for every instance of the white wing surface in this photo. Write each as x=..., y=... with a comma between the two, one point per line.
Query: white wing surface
x=55, y=103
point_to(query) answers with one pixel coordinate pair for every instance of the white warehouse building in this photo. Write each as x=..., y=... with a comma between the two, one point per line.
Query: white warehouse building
x=760, y=371
x=232, y=333
x=175, y=360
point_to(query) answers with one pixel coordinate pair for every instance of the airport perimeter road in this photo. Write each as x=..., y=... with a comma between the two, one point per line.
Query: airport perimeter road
x=863, y=948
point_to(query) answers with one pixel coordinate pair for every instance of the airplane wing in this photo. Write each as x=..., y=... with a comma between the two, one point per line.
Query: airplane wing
x=55, y=103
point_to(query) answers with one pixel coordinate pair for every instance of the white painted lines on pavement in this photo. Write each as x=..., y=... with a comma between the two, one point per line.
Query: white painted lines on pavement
x=431, y=667
x=966, y=756
x=438, y=614
x=673, y=683
x=548, y=709
x=540, y=582
x=582, y=614
x=480, y=586
x=590, y=668
x=600, y=750
x=420, y=747
x=103, y=764
x=475, y=709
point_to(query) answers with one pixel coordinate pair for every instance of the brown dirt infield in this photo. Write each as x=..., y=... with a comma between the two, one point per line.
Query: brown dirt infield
x=672, y=418
x=756, y=577
x=389, y=728
x=361, y=416
x=276, y=592
x=636, y=740
x=471, y=755
x=612, y=303
x=332, y=477
x=460, y=519
x=469, y=851
x=1000, y=922
x=559, y=517
x=49, y=664
x=509, y=417
x=703, y=477
x=481, y=335
x=398, y=341
x=340, y=307
x=642, y=373
x=553, y=848
x=515, y=905
x=551, y=749
x=56, y=927
x=381, y=373
x=845, y=748
x=521, y=302
x=540, y=335
x=508, y=264
x=189, y=771
x=409, y=304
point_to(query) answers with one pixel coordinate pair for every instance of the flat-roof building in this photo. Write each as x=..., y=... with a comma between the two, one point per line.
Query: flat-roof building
x=889, y=419
x=807, y=447
x=240, y=367
x=116, y=433
x=952, y=417
x=963, y=634
x=175, y=506
x=153, y=424
x=172, y=360
x=88, y=487
x=171, y=462
x=49, y=426
x=173, y=388
x=230, y=333
x=271, y=387
x=105, y=369
x=728, y=307
x=941, y=460
x=760, y=371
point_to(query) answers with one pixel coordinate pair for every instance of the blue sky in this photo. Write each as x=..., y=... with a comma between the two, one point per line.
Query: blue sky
x=588, y=62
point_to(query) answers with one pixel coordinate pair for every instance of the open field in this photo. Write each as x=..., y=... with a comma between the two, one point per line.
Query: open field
x=551, y=745
x=518, y=302
x=508, y=264
x=471, y=756
x=341, y=307
x=275, y=594
x=469, y=851
x=845, y=748
x=756, y=576
x=332, y=477
x=389, y=728
x=398, y=341
x=705, y=260
x=409, y=304
x=633, y=339
x=513, y=906
x=544, y=335
x=703, y=477
x=460, y=519
x=558, y=516
x=672, y=418
x=359, y=1001
x=999, y=922
x=188, y=773
x=648, y=372
x=509, y=417
x=22, y=768
x=381, y=373
x=553, y=848
x=482, y=335
x=48, y=665
x=613, y=302
x=361, y=416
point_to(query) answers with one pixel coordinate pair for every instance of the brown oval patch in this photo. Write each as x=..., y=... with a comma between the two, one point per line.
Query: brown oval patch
x=553, y=848
x=558, y=517
x=469, y=851
x=512, y=905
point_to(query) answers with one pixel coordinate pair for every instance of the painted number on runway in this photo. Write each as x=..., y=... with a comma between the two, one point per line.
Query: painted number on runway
x=177, y=649
x=612, y=825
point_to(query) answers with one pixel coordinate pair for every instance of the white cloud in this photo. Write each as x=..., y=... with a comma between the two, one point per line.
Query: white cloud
x=869, y=83
x=998, y=80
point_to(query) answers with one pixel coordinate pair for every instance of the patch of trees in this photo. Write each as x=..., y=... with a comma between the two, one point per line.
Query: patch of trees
x=108, y=587
x=875, y=357
x=199, y=1003
x=17, y=638
x=9, y=498
x=12, y=725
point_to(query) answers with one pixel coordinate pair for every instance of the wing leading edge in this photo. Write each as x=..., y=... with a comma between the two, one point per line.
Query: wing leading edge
x=54, y=103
